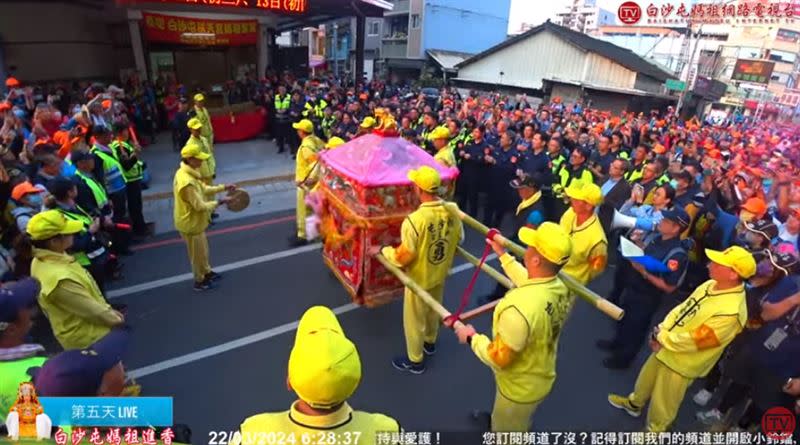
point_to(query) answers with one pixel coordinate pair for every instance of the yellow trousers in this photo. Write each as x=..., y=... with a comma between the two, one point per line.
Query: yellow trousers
x=302, y=213
x=420, y=322
x=197, y=246
x=510, y=416
x=665, y=387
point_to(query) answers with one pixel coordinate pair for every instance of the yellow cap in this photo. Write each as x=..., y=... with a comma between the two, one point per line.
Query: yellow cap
x=440, y=133
x=194, y=151
x=324, y=367
x=50, y=223
x=550, y=240
x=369, y=122
x=585, y=191
x=305, y=125
x=334, y=142
x=194, y=124
x=199, y=97
x=426, y=178
x=738, y=259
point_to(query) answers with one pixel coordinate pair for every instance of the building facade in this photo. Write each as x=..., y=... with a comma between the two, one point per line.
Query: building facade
x=341, y=46
x=414, y=27
x=551, y=60
x=584, y=16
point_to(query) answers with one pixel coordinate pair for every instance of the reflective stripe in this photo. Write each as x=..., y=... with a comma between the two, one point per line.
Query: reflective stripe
x=96, y=253
x=100, y=196
x=113, y=170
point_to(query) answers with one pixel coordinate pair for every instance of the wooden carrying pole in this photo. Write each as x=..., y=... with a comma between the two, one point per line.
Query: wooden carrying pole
x=591, y=297
x=422, y=293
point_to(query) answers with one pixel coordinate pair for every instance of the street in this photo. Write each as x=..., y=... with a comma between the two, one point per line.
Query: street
x=222, y=354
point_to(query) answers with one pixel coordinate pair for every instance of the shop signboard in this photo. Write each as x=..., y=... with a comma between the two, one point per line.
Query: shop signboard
x=198, y=31
x=276, y=6
x=755, y=71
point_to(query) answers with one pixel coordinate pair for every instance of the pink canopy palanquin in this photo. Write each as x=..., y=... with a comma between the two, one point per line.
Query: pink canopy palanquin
x=367, y=195
x=376, y=161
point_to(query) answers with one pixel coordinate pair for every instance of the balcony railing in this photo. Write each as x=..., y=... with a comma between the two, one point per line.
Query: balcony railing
x=394, y=49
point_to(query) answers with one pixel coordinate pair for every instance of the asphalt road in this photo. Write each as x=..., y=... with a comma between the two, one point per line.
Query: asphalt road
x=223, y=354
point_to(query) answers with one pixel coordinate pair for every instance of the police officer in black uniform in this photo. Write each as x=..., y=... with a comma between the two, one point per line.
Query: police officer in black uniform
x=503, y=163
x=647, y=290
x=529, y=213
x=473, y=167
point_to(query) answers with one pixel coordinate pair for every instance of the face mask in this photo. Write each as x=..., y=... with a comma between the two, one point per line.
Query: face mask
x=699, y=178
x=35, y=200
x=674, y=184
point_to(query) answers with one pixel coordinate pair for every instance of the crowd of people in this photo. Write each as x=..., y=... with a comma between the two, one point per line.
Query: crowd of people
x=715, y=207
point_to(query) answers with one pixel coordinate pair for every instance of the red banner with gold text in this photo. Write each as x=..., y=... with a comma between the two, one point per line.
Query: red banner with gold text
x=195, y=31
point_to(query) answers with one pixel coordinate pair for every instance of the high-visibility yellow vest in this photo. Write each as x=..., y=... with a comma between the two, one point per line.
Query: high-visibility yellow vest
x=282, y=103
x=98, y=192
x=82, y=257
x=545, y=304
x=71, y=330
x=703, y=304
x=136, y=172
x=635, y=173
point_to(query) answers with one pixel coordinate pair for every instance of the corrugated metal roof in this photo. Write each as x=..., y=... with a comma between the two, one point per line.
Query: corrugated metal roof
x=622, y=56
x=448, y=59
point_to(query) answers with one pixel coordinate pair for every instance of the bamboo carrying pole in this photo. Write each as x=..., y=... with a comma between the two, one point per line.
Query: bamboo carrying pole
x=422, y=293
x=580, y=290
x=491, y=271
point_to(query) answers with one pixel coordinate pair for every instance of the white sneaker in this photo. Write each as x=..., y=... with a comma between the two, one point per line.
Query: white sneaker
x=710, y=417
x=702, y=397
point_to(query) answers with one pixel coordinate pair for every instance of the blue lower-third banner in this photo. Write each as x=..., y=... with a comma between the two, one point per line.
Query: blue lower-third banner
x=109, y=411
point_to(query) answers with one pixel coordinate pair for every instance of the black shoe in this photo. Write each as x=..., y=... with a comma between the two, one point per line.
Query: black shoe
x=281, y=151
x=294, y=156
x=606, y=345
x=213, y=276
x=615, y=363
x=214, y=215
x=402, y=363
x=429, y=348
x=202, y=286
x=482, y=418
x=296, y=241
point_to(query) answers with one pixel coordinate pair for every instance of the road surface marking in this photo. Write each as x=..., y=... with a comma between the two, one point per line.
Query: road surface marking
x=233, y=229
x=253, y=338
x=150, y=285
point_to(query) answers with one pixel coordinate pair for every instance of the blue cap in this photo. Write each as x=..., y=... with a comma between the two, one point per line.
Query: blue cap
x=17, y=296
x=677, y=215
x=79, y=372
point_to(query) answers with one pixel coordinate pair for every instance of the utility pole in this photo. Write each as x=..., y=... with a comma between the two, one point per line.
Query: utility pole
x=336, y=49
x=689, y=65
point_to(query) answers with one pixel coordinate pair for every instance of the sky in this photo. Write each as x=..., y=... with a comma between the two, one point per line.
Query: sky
x=537, y=11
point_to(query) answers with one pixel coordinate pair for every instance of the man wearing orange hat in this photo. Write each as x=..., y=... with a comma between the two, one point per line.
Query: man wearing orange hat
x=324, y=371
x=29, y=200
x=428, y=240
x=690, y=340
